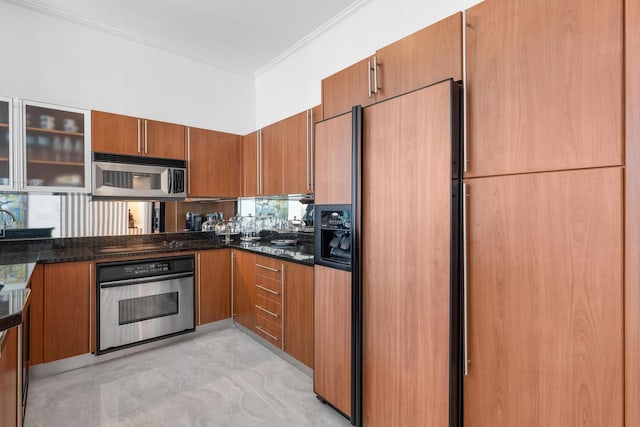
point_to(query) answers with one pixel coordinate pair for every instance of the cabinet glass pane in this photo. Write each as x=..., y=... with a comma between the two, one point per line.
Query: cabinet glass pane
x=55, y=142
x=4, y=143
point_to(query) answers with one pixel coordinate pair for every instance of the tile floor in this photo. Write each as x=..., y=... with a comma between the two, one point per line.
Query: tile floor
x=221, y=378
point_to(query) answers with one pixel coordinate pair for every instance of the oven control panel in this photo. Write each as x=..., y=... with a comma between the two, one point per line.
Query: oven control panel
x=145, y=269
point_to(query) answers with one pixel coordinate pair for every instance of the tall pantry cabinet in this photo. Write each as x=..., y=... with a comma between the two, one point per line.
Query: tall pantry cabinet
x=544, y=214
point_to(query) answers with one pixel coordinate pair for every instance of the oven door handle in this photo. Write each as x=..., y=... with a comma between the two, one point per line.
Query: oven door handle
x=128, y=282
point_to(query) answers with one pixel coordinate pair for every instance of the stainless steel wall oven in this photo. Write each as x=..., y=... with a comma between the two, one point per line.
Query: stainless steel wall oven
x=144, y=300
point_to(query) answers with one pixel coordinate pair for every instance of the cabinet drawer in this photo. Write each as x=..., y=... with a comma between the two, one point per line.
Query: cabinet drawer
x=269, y=268
x=271, y=304
x=268, y=329
x=273, y=287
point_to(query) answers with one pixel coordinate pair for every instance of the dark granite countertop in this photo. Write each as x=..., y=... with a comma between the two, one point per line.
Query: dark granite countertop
x=12, y=304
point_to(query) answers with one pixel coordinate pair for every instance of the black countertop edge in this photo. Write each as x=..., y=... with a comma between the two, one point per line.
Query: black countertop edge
x=12, y=305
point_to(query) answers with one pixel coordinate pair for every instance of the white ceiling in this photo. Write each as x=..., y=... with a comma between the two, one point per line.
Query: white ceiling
x=244, y=36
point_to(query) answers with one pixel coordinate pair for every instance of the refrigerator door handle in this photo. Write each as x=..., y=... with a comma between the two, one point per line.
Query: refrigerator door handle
x=465, y=278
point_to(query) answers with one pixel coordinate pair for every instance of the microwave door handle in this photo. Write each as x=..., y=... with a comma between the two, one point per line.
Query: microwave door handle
x=170, y=177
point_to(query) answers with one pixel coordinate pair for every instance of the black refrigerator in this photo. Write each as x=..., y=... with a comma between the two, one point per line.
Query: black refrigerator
x=405, y=231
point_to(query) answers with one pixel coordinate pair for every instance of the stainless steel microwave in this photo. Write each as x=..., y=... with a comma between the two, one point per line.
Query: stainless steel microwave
x=124, y=177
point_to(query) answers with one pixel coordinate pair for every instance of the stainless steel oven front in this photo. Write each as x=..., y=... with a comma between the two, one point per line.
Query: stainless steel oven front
x=144, y=300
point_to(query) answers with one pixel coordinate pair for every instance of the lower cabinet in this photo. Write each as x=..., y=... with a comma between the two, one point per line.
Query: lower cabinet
x=298, y=312
x=244, y=276
x=67, y=326
x=213, y=285
x=268, y=307
x=9, y=379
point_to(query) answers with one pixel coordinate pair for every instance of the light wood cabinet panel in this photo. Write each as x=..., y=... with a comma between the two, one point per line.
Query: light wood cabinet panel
x=164, y=140
x=332, y=337
x=346, y=88
x=115, y=133
x=66, y=309
x=36, y=314
x=405, y=282
x=250, y=165
x=544, y=85
x=9, y=379
x=298, y=314
x=214, y=285
x=244, y=294
x=272, y=159
x=545, y=299
x=428, y=56
x=214, y=163
x=333, y=159
x=632, y=207
x=295, y=154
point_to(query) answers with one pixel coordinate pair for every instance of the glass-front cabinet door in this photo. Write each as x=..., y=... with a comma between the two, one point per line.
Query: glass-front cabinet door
x=6, y=144
x=57, y=148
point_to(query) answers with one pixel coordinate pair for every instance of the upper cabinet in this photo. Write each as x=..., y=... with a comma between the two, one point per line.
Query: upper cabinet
x=213, y=163
x=278, y=159
x=6, y=145
x=544, y=86
x=333, y=160
x=428, y=56
x=115, y=133
x=57, y=148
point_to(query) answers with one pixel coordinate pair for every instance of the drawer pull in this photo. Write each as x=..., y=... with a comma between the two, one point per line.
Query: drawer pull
x=276, y=315
x=267, y=289
x=268, y=268
x=267, y=333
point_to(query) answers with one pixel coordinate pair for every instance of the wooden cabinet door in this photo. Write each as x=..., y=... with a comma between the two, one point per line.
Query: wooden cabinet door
x=332, y=337
x=545, y=300
x=214, y=163
x=428, y=56
x=163, y=140
x=333, y=160
x=272, y=165
x=36, y=314
x=296, y=154
x=214, y=285
x=544, y=85
x=9, y=379
x=406, y=274
x=250, y=165
x=244, y=278
x=346, y=88
x=115, y=133
x=66, y=309
x=298, y=312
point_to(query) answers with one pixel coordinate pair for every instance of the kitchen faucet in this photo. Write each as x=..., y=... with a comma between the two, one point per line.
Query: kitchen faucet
x=4, y=221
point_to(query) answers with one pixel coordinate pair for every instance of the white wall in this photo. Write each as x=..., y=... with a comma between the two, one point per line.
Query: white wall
x=49, y=59
x=293, y=85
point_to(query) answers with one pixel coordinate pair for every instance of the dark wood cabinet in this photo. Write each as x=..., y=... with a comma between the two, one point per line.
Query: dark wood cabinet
x=67, y=328
x=333, y=160
x=298, y=312
x=244, y=294
x=9, y=379
x=332, y=337
x=545, y=299
x=544, y=83
x=251, y=165
x=214, y=163
x=119, y=134
x=213, y=293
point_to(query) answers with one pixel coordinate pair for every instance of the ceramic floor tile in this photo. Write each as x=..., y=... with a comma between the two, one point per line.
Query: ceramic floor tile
x=219, y=379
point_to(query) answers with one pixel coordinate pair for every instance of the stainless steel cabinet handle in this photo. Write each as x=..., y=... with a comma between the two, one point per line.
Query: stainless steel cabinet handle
x=465, y=263
x=139, y=136
x=260, y=190
x=369, y=78
x=189, y=160
x=465, y=157
x=90, y=306
x=233, y=267
x=312, y=155
x=375, y=74
x=283, y=305
x=198, y=290
x=275, y=270
x=271, y=313
x=268, y=290
x=307, y=146
x=267, y=333
x=146, y=137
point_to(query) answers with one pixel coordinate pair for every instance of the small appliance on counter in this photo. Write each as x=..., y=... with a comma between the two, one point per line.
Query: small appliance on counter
x=193, y=221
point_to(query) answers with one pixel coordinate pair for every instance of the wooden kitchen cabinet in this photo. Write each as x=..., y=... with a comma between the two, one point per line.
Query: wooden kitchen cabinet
x=544, y=84
x=298, y=312
x=9, y=379
x=332, y=337
x=272, y=160
x=67, y=301
x=118, y=134
x=244, y=294
x=36, y=314
x=346, y=88
x=296, y=150
x=250, y=165
x=268, y=304
x=333, y=160
x=213, y=163
x=214, y=285
x=545, y=299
